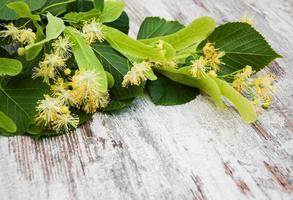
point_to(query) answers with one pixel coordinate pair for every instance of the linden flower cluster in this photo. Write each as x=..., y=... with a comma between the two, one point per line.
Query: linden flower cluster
x=137, y=74
x=23, y=36
x=258, y=89
x=208, y=63
x=82, y=90
x=92, y=31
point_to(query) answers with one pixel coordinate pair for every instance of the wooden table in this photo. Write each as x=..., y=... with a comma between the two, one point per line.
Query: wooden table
x=193, y=151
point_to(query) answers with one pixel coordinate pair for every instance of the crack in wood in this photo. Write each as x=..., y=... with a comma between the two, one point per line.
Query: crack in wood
x=279, y=177
x=197, y=193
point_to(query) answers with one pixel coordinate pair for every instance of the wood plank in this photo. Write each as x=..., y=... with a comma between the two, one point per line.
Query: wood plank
x=193, y=151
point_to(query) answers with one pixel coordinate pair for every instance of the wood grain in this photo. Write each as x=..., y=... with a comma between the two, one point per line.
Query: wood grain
x=193, y=151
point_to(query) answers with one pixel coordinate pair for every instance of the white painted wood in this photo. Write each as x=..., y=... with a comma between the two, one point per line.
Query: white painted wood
x=193, y=151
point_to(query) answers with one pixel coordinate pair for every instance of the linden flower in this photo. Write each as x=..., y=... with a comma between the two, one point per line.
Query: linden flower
x=46, y=72
x=248, y=18
x=65, y=122
x=53, y=60
x=198, y=67
x=213, y=55
x=48, y=110
x=93, y=31
x=264, y=84
x=137, y=74
x=26, y=36
x=240, y=82
x=60, y=90
x=86, y=91
x=62, y=47
x=11, y=31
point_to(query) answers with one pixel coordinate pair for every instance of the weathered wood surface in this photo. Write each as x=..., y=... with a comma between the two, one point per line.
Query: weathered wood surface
x=189, y=152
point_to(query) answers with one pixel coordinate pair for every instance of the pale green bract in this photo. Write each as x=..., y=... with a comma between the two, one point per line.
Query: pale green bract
x=10, y=67
x=23, y=10
x=7, y=124
x=195, y=32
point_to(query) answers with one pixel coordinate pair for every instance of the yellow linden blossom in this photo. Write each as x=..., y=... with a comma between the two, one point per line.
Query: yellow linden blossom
x=198, y=67
x=26, y=36
x=52, y=114
x=60, y=90
x=93, y=31
x=48, y=110
x=53, y=60
x=86, y=92
x=65, y=121
x=137, y=74
x=46, y=72
x=240, y=82
x=262, y=101
x=62, y=47
x=11, y=31
x=213, y=55
x=264, y=84
x=248, y=18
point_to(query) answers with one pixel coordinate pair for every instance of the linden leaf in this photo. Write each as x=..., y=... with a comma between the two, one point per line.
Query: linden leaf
x=242, y=45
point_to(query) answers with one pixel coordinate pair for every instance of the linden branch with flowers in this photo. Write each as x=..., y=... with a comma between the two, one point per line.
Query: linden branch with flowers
x=61, y=62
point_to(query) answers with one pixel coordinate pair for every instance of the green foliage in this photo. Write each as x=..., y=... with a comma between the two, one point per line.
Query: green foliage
x=194, y=33
x=99, y=4
x=156, y=27
x=18, y=101
x=243, y=45
x=130, y=47
x=7, y=124
x=112, y=10
x=8, y=14
x=76, y=17
x=122, y=23
x=10, y=67
x=163, y=91
x=23, y=10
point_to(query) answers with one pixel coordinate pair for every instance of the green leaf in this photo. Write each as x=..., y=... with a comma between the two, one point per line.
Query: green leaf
x=166, y=92
x=112, y=10
x=99, y=4
x=195, y=32
x=8, y=14
x=76, y=17
x=155, y=27
x=245, y=107
x=54, y=28
x=10, y=67
x=122, y=23
x=18, y=100
x=110, y=79
x=23, y=10
x=56, y=6
x=118, y=66
x=85, y=56
x=7, y=124
x=130, y=47
x=243, y=45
